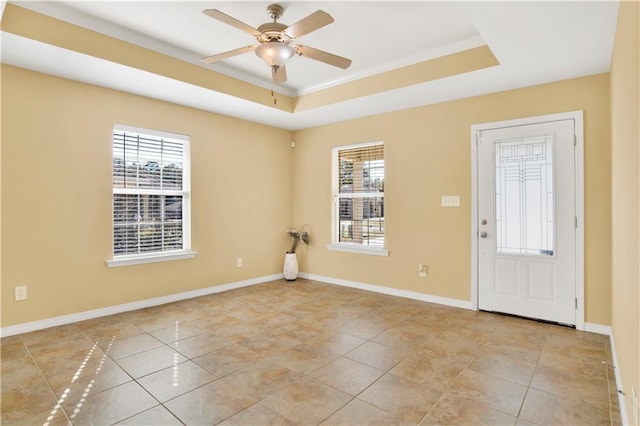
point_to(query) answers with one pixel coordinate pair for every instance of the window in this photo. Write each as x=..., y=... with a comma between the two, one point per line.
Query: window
x=358, y=198
x=150, y=196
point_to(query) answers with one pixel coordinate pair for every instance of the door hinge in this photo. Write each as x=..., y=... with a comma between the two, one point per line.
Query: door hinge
x=575, y=140
x=576, y=303
x=576, y=222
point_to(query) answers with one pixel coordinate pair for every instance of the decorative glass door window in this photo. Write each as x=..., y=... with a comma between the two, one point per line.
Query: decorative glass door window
x=524, y=196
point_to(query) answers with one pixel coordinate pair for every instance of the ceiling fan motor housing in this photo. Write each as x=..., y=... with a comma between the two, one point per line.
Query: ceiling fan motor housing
x=273, y=31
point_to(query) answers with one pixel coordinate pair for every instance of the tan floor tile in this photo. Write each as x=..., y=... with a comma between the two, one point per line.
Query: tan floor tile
x=303, y=359
x=111, y=406
x=301, y=310
x=560, y=382
x=181, y=330
x=209, y=404
x=155, y=416
x=253, y=339
x=237, y=332
x=72, y=362
x=579, y=347
x=101, y=375
x=524, y=350
x=457, y=346
x=261, y=379
x=29, y=400
x=357, y=412
x=148, y=362
x=504, y=366
x=544, y=408
x=274, y=319
x=228, y=359
x=558, y=330
x=590, y=368
x=120, y=348
x=400, y=338
x=336, y=342
x=199, y=345
x=466, y=335
x=16, y=368
x=10, y=348
x=365, y=328
x=492, y=392
x=300, y=330
x=377, y=355
x=476, y=323
x=157, y=321
x=407, y=400
x=63, y=333
x=55, y=417
x=417, y=325
x=142, y=314
x=258, y=415
x=347, y=376
x=105, y=328
x=176, y=380
x=306, y=402
x=453, y=410
x=432, y=368
x=267, y=344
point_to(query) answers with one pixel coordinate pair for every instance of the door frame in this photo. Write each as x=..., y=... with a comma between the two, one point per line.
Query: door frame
x=578, y=120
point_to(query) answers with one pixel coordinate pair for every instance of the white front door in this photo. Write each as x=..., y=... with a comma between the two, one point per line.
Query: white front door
x=526, y=212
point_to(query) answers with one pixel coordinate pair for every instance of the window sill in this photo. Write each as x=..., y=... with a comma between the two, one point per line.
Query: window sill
x=153, y=258
x=356, y=248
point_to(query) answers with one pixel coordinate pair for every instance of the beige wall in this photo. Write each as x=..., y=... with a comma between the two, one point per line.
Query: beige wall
x=56, y=197
x=625, y=140
x=428, y=154
x=56, y=194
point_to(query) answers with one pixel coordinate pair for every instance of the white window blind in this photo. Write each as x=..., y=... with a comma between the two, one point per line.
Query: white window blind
x=150, y=192
x=358, y=195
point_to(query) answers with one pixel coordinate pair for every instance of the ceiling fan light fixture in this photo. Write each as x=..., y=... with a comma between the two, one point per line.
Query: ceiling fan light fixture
x=274, y=53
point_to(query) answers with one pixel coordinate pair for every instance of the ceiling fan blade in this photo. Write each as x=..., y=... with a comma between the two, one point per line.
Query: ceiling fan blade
x=229, y=54
x=316, y=20
x=279, y=74
x=322, y=56
x=223, y=17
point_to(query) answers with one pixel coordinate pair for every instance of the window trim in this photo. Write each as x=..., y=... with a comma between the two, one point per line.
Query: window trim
x=335, y=244
x=169, y=255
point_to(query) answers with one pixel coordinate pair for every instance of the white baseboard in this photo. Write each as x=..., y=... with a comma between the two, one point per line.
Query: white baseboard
x=607, y=331
x=456, y=303
x=597, y=328
x=616, y=370
x=126, y=307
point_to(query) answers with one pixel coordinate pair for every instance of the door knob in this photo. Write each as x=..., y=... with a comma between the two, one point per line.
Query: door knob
x=484, y=221
x=483, y=234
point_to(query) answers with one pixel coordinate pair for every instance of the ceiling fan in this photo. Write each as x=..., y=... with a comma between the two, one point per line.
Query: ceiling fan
x=276, y=40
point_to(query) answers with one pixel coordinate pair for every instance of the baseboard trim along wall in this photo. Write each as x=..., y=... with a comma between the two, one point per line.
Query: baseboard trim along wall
x=126, y=307
x=456, y=303
x=616, y=370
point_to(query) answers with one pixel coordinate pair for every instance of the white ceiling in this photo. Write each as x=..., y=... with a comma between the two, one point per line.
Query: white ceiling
x=535, y=42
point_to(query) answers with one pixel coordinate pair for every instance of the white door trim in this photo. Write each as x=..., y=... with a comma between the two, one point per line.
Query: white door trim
x=577, y=116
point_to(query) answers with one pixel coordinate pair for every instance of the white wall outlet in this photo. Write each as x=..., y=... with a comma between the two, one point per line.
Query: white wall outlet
x=239, y=262
x=21, y=293
x=422, y=270
x=450, y=201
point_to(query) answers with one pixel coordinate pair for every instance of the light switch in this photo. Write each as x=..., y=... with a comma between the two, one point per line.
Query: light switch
x=450, y=201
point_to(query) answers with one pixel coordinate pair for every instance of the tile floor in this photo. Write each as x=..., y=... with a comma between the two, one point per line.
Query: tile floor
x=305, y=352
